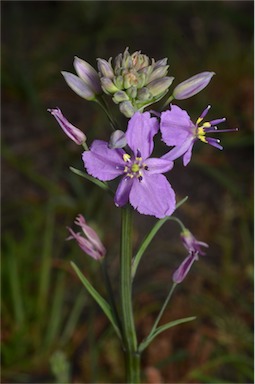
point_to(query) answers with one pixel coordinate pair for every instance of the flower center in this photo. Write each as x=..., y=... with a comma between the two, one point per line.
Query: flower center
x=135, y=166
x=200, y=131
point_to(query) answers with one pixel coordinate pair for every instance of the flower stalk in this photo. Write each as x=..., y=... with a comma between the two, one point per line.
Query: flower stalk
x=131, y=355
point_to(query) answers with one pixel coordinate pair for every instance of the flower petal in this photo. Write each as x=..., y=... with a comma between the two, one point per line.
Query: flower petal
x=153, y=195
x=141, y=130
x=175, y=126
x=102, y=162
x=179, y=150
x=123, y=191
x=158, y=165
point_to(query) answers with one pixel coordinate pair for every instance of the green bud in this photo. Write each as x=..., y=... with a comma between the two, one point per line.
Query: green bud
x=158, y=72
x=119, y=81
x=143, y=94
x=108, y=85
x=127, y=109
x=130, y=79
x=132, y=92
x=120, y=96
x=159, y=86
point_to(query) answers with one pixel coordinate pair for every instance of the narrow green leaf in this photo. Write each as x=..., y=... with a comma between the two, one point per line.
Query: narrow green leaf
x=90, y=178
x=98, y=298
x=161, y=329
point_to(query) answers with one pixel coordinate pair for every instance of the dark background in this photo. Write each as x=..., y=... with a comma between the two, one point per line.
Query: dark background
x=51, y=330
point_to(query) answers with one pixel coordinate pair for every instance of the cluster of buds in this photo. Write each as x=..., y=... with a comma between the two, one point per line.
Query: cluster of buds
x=134, y=81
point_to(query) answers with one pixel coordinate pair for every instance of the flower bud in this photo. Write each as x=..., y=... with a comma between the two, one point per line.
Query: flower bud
x=143, y=94
x=158, y=73
x=79, y=86
x=117, y=140
x=127, y=108
x=105, y=68
x=70, y=130
x=192, y=86
x=120, y=96
x=90, y=243
x=159, y=86
x=88, y=74
x=108, y=85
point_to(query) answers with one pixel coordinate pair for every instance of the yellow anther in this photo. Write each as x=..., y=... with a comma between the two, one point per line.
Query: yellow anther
x=201, y=134
x=199, y=120
x=207, y=125
x=138, y=159
x=126, y=157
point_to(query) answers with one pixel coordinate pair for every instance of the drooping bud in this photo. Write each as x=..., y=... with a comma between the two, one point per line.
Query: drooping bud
x=117, y=140
x=88, y=74
x=192, y=86
x=70, y=130
x=90, y=243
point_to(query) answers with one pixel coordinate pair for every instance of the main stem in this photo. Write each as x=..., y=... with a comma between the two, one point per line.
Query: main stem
x=132, y=357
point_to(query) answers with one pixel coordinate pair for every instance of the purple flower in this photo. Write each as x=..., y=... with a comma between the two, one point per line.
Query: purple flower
x=142, y=182
x=194, y=248
x=90, y=243
x=178, y=130
x=70, y=130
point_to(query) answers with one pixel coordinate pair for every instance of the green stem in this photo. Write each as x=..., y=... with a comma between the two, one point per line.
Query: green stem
x=146, y=242
x=132, y=357
x=163, y=308
x=110, y=293
x=168, y=101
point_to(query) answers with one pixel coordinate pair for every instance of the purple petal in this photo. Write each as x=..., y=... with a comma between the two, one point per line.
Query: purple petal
x=176, y=126
x=102, y=162
x=187, y=155
x=123, y=191
x=141, y=130
x=158, y=165
x=179, y=150
x=181, y=272
x=153, y=195
x=87, y=73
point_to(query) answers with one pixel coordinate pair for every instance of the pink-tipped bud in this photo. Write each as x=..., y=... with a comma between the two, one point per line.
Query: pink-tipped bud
x=90, y=242
x=70, y=130
x=192, y=86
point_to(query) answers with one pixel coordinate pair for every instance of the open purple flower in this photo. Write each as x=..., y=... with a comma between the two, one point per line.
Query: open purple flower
x=89, y=242
x=142, y=182
x=178, y=130
x=194, y=248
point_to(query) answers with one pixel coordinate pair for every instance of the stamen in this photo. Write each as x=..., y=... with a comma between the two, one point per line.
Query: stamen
x=217, y=121
x=214, y=142
x=138, y=154
x=203, y=114
x=126, y=157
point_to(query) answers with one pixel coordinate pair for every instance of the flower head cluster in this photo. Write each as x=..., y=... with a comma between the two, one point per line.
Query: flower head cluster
x=194, y=248
x=134, y=81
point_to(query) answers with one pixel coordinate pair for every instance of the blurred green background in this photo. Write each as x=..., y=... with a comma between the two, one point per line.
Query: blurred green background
x=51, y=330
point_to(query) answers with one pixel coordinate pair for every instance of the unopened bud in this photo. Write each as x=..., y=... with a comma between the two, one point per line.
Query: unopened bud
x=117, y=140
x=108, y=86
x=120, y=96
x=192, y=86
x=88, y=74
x=79, y=86
x=127, y=108
x=158, y=73
x=105, y=68
x=159, y=86
x=144, y=94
